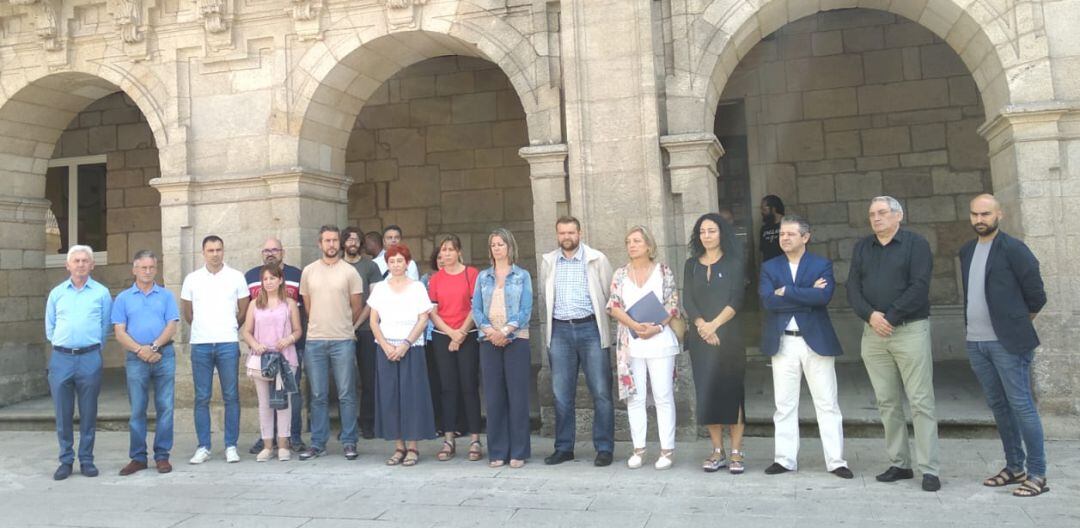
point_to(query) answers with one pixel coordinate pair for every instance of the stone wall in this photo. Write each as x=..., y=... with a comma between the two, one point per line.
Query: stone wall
x=435, y=151
x=115, y=127
x=846, y=105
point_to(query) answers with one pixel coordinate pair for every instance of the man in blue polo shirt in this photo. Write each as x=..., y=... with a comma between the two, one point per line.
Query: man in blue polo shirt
x=76, y=323
x=144, y=319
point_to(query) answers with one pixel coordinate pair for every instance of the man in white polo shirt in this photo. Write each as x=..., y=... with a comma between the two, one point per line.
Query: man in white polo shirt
x=214, y=300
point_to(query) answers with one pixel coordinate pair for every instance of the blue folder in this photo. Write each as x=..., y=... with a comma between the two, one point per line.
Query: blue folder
x=648, y=309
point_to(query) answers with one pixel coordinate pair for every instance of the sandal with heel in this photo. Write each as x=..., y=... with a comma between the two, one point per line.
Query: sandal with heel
x=447, y=452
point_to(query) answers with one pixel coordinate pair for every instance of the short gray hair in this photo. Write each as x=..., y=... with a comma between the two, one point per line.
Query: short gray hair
x=804, y=224
x=79, y=248
x=143, y=254
x=893, y=203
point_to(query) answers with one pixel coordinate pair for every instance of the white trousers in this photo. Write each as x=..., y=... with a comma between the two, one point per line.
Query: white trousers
x=659, y=372
x=788, y=366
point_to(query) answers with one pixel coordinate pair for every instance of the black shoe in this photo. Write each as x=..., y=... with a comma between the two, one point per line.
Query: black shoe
x=776, y=469
x=894, y=474
x=603, y=458
x=311, y=453
x=62, y=472
x=559, y=457
x=350, y=452
x=843, y=472
x=930, y=482
x=298, y=446
x=88, y=469
x=256, y=447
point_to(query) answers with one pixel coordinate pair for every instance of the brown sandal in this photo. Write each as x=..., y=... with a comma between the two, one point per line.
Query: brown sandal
x=1032, y=487
x=396, y=458
x=447, y=452
x=412, y=456
x=1004, y=478
x=476, y=451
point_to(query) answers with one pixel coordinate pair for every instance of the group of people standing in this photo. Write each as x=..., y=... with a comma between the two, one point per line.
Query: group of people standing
x=348, y=310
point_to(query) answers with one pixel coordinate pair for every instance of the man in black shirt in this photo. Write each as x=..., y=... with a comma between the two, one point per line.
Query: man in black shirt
x=889, y=288
x=772, y=210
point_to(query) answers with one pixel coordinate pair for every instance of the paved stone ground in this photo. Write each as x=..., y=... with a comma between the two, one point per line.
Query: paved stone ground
x=331, y=491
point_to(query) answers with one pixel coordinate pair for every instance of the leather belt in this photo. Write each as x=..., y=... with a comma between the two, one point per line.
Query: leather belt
x=77, y=351
x=579, y=320
x=794, y=333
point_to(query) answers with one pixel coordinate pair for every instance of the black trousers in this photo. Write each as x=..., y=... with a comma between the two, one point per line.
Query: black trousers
x=365, y=358
x=459, y=383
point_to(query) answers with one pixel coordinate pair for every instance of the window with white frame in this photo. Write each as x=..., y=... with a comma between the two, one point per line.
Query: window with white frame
x=75, y=188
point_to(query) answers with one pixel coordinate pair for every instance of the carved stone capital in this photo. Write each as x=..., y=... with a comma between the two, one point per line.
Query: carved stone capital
x=128, y=15
x=214, y=15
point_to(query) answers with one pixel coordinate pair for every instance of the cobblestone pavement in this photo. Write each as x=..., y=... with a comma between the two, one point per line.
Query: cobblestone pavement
x=330, y=491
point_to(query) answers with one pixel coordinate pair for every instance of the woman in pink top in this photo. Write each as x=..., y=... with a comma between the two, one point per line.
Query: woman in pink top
x=272, y=325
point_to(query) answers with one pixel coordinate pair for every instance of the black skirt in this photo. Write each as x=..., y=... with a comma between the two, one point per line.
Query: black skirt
x=719, y=373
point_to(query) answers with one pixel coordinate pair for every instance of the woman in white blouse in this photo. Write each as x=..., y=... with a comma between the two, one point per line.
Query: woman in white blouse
x=646, y=348
x=399, y=314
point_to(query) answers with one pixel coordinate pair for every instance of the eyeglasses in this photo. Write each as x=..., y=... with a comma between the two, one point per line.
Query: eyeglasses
x=273, y=251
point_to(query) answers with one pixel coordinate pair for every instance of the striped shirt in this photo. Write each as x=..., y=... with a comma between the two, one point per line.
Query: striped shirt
x=571, y=287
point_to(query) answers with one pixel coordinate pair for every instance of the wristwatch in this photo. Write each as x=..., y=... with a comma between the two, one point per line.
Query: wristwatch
x=154, y=347
x=506, y=330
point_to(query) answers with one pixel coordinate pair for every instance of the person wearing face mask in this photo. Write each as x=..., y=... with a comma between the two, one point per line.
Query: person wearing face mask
x=1003, y=293
x=399, y=313
x=713, y=287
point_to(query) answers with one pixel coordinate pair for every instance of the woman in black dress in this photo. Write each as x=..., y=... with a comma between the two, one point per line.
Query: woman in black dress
x=712, y=295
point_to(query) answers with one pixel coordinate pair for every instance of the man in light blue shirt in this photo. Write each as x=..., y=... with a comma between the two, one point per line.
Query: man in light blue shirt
x=76, y=323
x=145, y=317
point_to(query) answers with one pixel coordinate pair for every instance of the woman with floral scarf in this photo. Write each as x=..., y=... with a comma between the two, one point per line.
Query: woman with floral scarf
x=646, y=349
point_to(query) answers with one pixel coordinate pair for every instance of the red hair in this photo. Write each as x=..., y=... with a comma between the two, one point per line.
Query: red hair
x=400, y=249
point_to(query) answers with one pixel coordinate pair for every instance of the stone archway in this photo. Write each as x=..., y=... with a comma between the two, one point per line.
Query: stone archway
x=51, y=119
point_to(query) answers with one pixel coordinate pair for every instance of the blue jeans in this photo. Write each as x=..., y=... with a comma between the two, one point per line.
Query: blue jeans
x=71, y=376
x=140, y=377
x=1006, y=380
x=321, y=359
x=205, y=357
x=574, y=345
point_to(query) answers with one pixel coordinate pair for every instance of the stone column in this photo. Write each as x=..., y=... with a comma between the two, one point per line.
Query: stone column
x=23, y=292
x=1036, y=175
x=692, y=165
x=243, y=212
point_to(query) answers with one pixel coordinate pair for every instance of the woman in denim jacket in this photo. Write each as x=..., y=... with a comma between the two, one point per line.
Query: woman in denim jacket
x=501, y=308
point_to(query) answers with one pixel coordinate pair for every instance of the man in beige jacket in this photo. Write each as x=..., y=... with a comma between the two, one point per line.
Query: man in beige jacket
x=576, y=280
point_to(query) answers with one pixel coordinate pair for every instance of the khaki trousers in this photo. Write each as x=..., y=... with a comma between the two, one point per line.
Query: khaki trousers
x=902, y=364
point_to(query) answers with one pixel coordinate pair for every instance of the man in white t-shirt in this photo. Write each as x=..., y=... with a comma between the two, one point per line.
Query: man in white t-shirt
x=214, y=300
x=332, y=292
x=391, y=237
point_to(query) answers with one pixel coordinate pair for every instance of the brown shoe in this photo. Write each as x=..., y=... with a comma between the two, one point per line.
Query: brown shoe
x=163, y=466
x=132, y=467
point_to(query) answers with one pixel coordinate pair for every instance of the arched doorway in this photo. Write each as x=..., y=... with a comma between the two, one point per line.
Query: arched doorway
x=79, y=157
x=831, y=110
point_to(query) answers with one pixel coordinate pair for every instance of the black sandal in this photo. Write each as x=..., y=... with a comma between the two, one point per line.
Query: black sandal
x=1004, y=478
x=1032, y=487
x=448, y=451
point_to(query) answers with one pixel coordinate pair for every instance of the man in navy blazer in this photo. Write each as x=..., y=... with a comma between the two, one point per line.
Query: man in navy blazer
x=1003, y=293
x=795, y=289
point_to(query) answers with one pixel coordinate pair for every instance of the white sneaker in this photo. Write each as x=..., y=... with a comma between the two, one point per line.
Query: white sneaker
x=231, y=455
x=635, y=459
x=202, y=454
